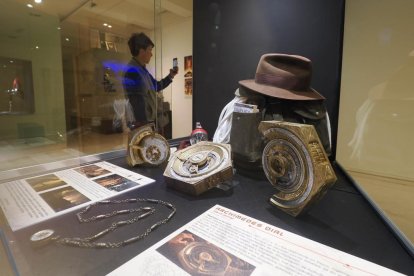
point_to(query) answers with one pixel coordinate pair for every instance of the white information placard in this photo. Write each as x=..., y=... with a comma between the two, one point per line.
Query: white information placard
x=224, y=242
x=32, y=200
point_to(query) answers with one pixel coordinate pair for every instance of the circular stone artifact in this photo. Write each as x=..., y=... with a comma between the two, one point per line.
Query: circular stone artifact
x=147, y=147
x=154, y=149
x=200, y=167
x=199, y=160
x=288, y=166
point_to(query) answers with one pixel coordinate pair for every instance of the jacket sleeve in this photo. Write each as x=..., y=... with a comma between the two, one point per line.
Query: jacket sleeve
x=162, y=84
x=135, y=91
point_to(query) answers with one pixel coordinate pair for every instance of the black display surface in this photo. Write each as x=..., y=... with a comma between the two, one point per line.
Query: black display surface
x=343, y=219
x=230, y=36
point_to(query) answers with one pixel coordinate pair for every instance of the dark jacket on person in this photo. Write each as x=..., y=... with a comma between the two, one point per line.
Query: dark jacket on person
x=140, y=88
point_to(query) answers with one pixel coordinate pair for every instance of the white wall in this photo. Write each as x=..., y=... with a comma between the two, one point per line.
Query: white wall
x=177, y=41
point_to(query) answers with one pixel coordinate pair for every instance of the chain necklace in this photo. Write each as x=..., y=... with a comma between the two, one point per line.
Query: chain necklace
x=45, y=236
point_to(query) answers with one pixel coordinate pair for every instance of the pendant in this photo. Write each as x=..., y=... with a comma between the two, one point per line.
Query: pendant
x=42, y=237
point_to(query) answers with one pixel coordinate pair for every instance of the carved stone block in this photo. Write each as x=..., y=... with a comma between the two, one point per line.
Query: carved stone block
x=296, y=164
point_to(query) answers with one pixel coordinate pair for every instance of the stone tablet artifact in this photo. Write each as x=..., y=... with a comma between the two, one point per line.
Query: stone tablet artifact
x=296, y=164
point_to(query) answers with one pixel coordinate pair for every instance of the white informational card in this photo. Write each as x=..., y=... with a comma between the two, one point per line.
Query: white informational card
x=32, y=200
x=225, y=242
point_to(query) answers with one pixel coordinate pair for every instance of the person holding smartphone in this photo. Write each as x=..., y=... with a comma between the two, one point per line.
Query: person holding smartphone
x=141, y=87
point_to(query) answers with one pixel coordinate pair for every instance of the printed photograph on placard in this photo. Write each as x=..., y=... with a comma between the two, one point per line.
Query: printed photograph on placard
x=45, y=182
x=198, y=257
x=64, y=198
x=116, y=182
x=92, y=171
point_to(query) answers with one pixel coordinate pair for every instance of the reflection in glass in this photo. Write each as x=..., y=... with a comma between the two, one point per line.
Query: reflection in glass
x=63, y=96
x=381, y=140
x=376, y=108
x=16, y=83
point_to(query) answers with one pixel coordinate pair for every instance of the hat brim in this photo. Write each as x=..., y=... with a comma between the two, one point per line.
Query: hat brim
x=277, y=92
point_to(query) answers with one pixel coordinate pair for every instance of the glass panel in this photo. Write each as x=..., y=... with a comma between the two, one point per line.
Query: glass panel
x=62, y=66
x=32, y=37
x=376, y=112
x=176, y=18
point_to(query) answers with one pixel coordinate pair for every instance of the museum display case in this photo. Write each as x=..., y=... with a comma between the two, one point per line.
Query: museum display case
x=72, y=203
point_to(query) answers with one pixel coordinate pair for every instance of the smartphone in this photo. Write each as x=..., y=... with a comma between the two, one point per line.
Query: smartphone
x=175, y=63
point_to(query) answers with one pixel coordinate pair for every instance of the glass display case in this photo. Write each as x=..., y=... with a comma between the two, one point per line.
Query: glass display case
x=64, y=121
x=64, y=90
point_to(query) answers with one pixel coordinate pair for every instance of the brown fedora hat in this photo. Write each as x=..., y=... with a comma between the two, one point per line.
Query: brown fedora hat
x=283, y=76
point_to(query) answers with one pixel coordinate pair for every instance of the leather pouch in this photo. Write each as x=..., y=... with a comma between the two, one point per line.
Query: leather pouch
x=314, y=113
x=245, y=139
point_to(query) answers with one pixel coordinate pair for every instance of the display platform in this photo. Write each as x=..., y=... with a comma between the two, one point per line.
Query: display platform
x=343, y=219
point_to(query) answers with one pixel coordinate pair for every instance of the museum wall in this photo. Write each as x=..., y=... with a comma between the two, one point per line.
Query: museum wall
x=177, y=41
x=20, y=27
x=231, y=35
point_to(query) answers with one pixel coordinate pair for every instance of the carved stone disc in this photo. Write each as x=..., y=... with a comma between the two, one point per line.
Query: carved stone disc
x=200, y=167
x=199, y=160
x=288, y=166
x=147, y=147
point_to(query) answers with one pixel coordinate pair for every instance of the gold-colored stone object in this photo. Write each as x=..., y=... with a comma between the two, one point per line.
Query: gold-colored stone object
x=146, y=147
x=199, y=167
x=296, y=164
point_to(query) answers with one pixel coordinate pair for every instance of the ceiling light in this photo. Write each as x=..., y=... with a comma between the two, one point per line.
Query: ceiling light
x=105, y=24
x=37, y=47
x=67, y=39
x=29, y=5
x=109, y=26
x=38, y=1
